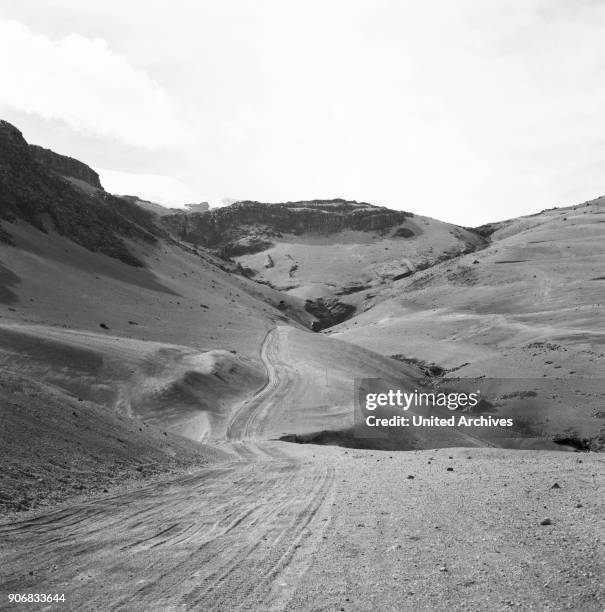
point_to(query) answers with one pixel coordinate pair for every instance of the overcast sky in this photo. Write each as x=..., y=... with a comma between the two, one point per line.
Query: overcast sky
x=468, y=111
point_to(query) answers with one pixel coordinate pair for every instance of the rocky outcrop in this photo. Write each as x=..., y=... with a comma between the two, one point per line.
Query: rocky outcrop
x=33, y=192
x=65, y=166
x=328, y=312
x=222, y=228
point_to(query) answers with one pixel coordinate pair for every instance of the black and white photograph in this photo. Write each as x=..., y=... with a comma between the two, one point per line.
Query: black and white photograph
x=302, y=305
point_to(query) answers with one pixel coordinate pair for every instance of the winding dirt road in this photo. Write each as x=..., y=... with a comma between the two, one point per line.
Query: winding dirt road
x=247, y=421
x=301, y=527
x=229, y=537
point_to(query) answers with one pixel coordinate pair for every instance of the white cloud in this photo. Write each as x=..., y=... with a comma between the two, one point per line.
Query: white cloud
x=468, y=111
x=82, y=82
x=157, y=188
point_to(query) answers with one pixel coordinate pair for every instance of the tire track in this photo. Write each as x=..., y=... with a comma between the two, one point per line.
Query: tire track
x=214, y=540
x=246, y=423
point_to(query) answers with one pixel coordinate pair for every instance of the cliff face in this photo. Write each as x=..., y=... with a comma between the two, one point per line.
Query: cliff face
x=254, y=221
x=65, y=166
x=32, y=192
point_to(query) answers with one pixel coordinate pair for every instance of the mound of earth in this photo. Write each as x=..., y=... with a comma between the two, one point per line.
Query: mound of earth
x=55, y=446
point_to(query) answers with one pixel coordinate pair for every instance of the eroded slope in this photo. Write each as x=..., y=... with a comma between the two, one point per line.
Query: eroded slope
x=529, y=306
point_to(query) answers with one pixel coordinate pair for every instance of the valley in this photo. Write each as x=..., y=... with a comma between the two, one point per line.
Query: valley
x=177, y=399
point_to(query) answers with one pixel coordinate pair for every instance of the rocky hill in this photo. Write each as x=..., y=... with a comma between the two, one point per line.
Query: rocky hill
x=327, y=252
x=65, y=166
x=331, y=254
x=32, y=189
x=247, y=227
x=334, y=254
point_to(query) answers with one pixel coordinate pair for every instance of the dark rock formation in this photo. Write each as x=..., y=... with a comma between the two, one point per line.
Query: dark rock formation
x=404, y=232
x=328, y=312
x=244, y=246
x=65, y=166
x=32, y=192
x=222, y=228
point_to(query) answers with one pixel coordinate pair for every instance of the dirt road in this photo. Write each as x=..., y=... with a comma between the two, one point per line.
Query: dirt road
x=301, y=527
x=247, y=421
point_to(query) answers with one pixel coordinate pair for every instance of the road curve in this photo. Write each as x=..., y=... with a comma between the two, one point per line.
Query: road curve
x=233, y=536
x=246, y=420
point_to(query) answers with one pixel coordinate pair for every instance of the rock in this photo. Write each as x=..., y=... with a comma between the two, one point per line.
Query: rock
x=450, y=469
x=404, y=232
x=329, y=312
x=256, y=222
x=410, y=477
x=65, y=166
x=546, y=521
x=556, y=486
x=33, y=189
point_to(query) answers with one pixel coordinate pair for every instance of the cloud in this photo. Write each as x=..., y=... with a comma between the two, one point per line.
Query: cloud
x=468, y=111
x=90, y=87
x=158, y=188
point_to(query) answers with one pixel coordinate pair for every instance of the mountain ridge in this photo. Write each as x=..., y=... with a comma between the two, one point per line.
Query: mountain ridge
x=32, y=191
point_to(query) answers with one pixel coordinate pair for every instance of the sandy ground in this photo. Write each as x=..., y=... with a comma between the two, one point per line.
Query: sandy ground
x=300, y=527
